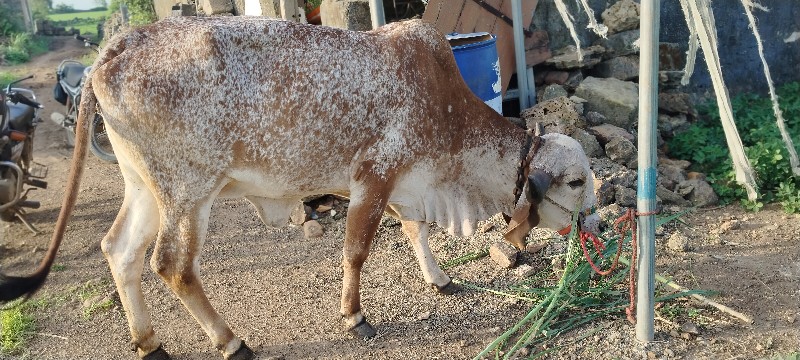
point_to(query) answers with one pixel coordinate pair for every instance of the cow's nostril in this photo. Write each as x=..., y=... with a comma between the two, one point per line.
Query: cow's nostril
x=602, y=227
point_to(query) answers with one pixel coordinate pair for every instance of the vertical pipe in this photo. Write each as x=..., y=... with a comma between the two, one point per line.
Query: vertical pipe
x=647, y=162
x=376, y=13
x=519, y=55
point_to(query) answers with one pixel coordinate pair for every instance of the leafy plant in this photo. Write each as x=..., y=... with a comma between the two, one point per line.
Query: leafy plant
x=17, y=325
x=141, y=12
x=22, y=46
x=575, y=299
x=704, y=145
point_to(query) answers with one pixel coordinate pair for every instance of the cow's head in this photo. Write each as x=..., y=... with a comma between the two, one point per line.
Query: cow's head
x=559, y=182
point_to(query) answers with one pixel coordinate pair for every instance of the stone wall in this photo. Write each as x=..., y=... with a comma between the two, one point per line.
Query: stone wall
x=742, y=69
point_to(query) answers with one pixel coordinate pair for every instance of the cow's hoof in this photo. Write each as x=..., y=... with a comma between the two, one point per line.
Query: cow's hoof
x=363, y=330
x=448, y=289
x=157, y=354
x=244, y=353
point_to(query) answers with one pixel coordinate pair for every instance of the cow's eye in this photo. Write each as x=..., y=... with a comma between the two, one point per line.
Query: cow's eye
x=575, y=183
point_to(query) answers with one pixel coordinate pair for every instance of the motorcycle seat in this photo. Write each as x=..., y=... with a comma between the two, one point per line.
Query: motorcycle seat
x=21, y=116
x=72, y=74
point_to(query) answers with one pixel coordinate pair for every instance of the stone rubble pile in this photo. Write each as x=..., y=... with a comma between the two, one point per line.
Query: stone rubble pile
x=595, y=101
x=48, y=28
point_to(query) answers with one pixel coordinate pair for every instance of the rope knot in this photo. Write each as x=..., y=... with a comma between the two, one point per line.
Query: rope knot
x=626, y=222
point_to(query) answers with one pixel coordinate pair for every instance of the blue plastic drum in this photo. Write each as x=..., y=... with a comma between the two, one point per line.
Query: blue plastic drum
x=476, y=56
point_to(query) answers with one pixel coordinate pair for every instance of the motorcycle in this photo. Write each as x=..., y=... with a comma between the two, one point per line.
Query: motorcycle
x=19, y=116
x=71, y=76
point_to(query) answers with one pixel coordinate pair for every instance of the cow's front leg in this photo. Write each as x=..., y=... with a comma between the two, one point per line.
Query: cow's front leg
x=363, y=217
x=417, y=232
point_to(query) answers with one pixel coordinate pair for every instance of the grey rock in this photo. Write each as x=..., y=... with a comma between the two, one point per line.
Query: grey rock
x=676, y=103
x=670, y=79
x=595, y=118
x=503, y=254
x=604, y=191
x=578, y=104
x=669, y=126
x=604, y=168
x=623, y=15
x=621, y=67
x=671, y=175
x=552, y=92
x=524, y=271
x=588, y=142
x=300, y=214
x=622, y=151
x=624, y=177
x=669, y=197
x=624, y=196
x=574, y=79
x=690, y=327
x=555, y=115
x=620, y=44
x=607, y=132
x=678, y=242
x=683, y=164
x=567, y=58
x=616, y=99
x=312, y=229
x=699, y=192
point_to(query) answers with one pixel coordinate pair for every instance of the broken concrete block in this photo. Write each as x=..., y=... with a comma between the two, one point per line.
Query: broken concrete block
x=312, y=229
x=616, y=99
x=504, y=254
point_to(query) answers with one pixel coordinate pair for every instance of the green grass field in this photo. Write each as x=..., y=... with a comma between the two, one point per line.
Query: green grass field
x=83, y=15
x=88, y=23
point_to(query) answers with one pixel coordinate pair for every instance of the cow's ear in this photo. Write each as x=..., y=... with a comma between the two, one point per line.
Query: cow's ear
x=538, y=183
x=526, y=217
x=521, y=223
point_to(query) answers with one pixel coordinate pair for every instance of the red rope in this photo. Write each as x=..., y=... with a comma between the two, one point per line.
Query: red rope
x=622, y=225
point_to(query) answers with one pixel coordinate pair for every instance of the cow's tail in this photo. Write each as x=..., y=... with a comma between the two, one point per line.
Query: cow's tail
x=14, y=287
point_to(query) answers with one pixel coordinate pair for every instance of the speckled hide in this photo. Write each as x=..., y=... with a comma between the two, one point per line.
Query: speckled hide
x=273, y=111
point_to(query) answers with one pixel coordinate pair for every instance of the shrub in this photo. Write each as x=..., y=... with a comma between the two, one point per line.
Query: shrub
x=704, y=145
x=22, y=46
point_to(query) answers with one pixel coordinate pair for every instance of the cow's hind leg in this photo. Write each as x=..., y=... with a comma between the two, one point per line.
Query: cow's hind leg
x=124, y=247
x=363, y=217
x=417, y=232
x=176, y=260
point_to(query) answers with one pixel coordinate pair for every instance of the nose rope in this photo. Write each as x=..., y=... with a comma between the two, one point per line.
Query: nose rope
x=621, y=226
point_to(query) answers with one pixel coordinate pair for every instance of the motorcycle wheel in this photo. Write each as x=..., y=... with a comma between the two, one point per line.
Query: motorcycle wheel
x=99, y=144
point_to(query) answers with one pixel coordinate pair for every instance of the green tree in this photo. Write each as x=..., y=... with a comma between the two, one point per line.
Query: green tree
x=9, y=24
x=63, y=9
x=40, y=8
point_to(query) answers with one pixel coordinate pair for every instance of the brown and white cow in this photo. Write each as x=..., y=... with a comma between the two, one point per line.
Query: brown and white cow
x=201, y=108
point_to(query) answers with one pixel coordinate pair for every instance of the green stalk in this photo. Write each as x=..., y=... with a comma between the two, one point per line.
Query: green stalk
x=463, y=259
x=492, y=291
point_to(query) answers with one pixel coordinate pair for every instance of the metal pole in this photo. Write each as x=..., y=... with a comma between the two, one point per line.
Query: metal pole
x=376, y=13
x=647, y=161
x=519, y=55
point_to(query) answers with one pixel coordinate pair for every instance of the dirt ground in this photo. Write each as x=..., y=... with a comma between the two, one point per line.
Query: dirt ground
x=280, y=291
